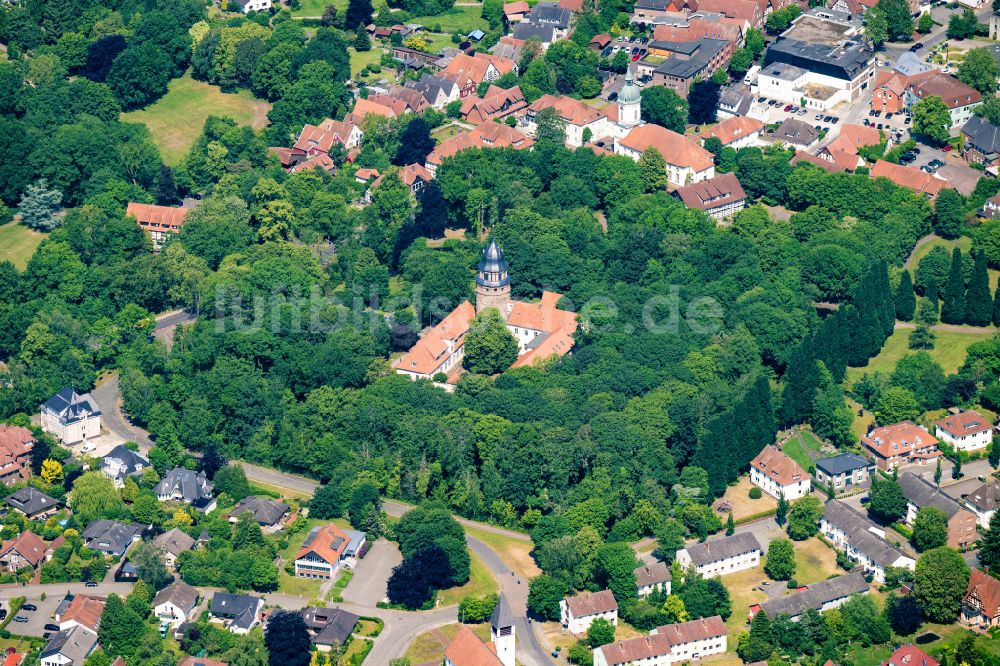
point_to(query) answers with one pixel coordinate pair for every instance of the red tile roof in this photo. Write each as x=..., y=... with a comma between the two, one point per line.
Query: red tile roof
x=708, y=194
x=673, y=147
x=969, y=422
x=84, y=610
x=695, y=630
x=909, y=177
x=591, y=603
x=910, y=655
x=468, y=650
x=431, y=350
x=409, y=175
x=573, y=111
x=898, y=439
x=778, y=466
x=733, y=128
x=326, y=545
x=157, y=218
x=487, y=135
x=986, y=588
x=28, y=545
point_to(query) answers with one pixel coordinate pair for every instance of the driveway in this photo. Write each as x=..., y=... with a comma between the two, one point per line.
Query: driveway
x=108, y=397
x=368, y=585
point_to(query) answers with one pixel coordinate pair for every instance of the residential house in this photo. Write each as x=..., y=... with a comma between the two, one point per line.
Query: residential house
x=515, y=12
x=958, y=97
x=821, y=596
x=910, y=177
x=726, y=555
x=32, y=502
x=496, y=104
x=71, y=417
x=161, y=222
x=983, y=501
x=509, y=48
x=921, y=493
x=793, y=133
x=16, y=444
x=187, y=486
x=578, y=116
x=413, y=58
x=239, y=613
x=679, y=643
x=321, y=162
x=201, y=661
x=649, y=11
x=600, y=42
x=966, y=431
x=69, y=648
x=267, y=513
x=890, y=85
x=720, y=197
x=83, y=610
x=981, y=143
x=414, y=176
x=321, y=552
x=467, y=649
x=651, y=578
x=469, y=71
x=176, y=603
x=414, y=99
x=319, y=140
x=981, y=603
x=735, y=132
x=552, y=15
x=991, y=208
x=27, y=549
x=697, y=26
x=844, y=150
x=845, y=471
x=910, y=655
x=838, y=163
x=579, y=611
x=329, y=627
x=438, y=91
x=487, y=135
x=862, y=541
x=689, y=62
x=544, y=34
x=777, y=474
x=541, y=329
x=174, y=543
x=750, y=13
x=247, y=6
x=900, y=443
x=687, y=162
x=121, y=463
x=112, y=537
x=737, y=100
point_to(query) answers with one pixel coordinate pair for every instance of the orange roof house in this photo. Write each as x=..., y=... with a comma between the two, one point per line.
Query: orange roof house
x=516, y=12
x=83, y=610
x=157, y=220
x=487, y=135
x=684, y=158
x=414, y=176
x=909, y=177
x=910, y=655
x=27, y=549
x=469, y=71
x=899, y=443
x=735, y=130
x=496, y=104
x=699, y=28
x=778, y=474
x=468, y=650
x=321, y=552
x=981, y=604
x=16, y=444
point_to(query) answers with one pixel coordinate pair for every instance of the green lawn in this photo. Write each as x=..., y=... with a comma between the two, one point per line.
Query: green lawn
x=456, y=19
x=963, y=243
x=177, y=119
x=800, y=446
x=481, y=582
x=950, y=636
x=949, y=351
x=18, y=243
x=359, y=59
x=814, y=561
x=436, y=41
x=317, y=7
x=300, y=587
x=447, y=131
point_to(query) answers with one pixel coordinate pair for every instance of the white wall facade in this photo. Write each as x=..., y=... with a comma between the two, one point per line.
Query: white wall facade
x=676, y=175
x=721, y=567
x=647, y=590
x=973, y=442
x=694, y=650
x=792, y=491
x=578, y=625
x=73, y=432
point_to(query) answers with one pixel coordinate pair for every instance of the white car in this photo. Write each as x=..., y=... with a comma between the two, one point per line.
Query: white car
x=87, y=448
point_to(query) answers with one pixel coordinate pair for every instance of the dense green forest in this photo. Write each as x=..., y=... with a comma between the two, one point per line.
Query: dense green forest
x=696, y=341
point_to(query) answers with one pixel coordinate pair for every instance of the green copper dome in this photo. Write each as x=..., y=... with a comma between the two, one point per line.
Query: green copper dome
x=630, y=93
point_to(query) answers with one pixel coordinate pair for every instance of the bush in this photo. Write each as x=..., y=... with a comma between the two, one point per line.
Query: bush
x=755, y=493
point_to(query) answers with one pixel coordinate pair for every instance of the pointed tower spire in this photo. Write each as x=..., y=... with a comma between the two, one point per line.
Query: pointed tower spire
x=493, y=280
x=502, y=631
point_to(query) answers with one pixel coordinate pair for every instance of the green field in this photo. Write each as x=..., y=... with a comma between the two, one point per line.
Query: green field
x=177, y=119
x=949, y=351
x=360, y=59
x=963, y=243
x=18, y=243
x=315, y=8
x=456, y=19
x=799, y=447
x=481, y=582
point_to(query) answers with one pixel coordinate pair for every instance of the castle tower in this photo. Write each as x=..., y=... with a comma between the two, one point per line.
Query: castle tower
x=493, y=281
x=502, y=631
x=629, y=103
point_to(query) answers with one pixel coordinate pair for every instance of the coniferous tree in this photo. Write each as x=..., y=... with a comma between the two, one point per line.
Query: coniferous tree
x=994, y=456
x=996, y=307
x=730, y=525
x=760, y=643
x=989, y=548
x=781, y=513
x=359, y=14
x=937, y=472
x=906, y=300
x=978, y=303
x=933, y=291
x=956, y=468
x=953, y=305
x=831, y=344
x=800, y=381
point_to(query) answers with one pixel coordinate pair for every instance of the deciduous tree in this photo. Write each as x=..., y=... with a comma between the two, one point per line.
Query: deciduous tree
x=939, y=584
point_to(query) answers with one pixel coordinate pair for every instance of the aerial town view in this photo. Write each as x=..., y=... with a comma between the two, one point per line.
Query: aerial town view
x=485, y=333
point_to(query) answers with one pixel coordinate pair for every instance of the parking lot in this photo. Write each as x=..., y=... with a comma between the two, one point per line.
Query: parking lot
x=35, y=626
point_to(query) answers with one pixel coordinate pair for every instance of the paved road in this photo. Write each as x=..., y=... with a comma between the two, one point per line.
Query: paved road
x=108, y=396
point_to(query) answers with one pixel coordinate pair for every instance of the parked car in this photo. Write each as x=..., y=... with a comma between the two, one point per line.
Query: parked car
x=917, y=47
x=787, y=108
x=834, y=120
x=878, y=114
x=946, y=149
x=914, y=150
x=52, y=627
x=865, y=499
x=20, y=618
x=29, y=607
x=635, y=57
x=871, y=114
x=612, y=97
x=888, y=115
x=90, y=583
x=867, y=122
x=935, y=163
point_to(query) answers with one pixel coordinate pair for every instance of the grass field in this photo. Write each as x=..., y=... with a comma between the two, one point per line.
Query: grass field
x=446, y=131
x=964, y=243
x=456, y=19
x=801, y=446
x=515, y=553
x=814, y=561
x=301, y=587
x=177, y=119
x=360, y=59
x=949, y=351
x=743, y=595
x=317, y=7
x=739, y=497
x=427, y=647
x=481, y=582
x=18, y=243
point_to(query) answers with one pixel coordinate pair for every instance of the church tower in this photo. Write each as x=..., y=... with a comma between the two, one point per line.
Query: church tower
x=629, y=103
x=493, y=281
x=502, y=631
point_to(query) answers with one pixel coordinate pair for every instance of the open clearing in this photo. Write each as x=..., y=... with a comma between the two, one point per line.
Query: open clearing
x=481, y=582
x=309, y=8
x=515, y=553
x=949, y=351
x=739, y=496
x=18, y=243
x=177, y=119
